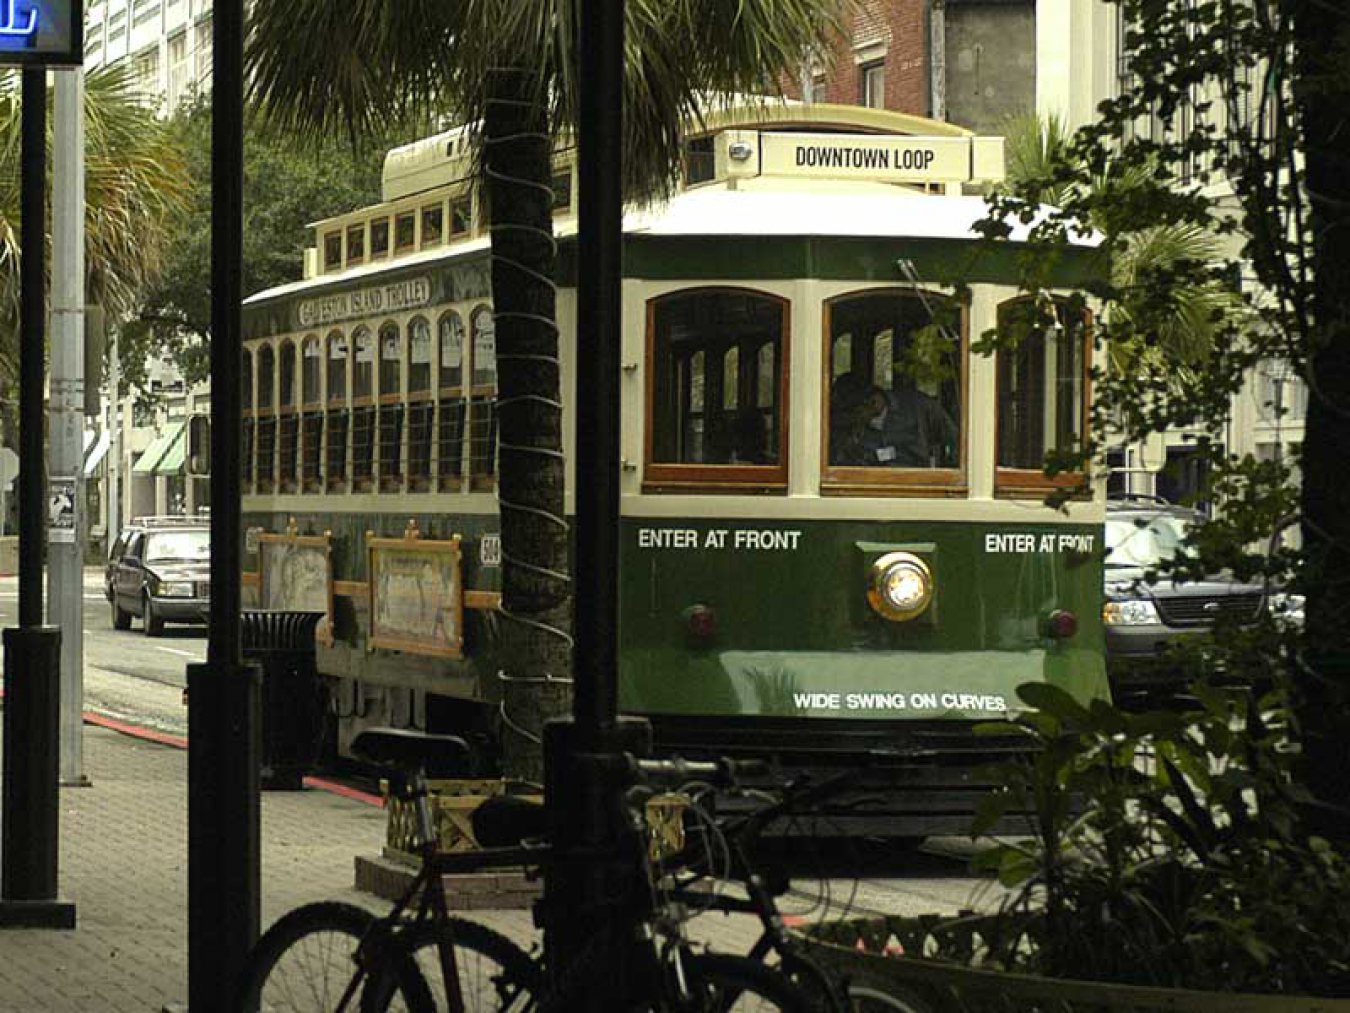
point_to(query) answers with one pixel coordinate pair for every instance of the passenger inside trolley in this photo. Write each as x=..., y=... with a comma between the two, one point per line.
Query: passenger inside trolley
x=900, y=428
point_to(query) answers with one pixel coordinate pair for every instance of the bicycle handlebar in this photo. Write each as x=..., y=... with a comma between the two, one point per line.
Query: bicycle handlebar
x=723, y=772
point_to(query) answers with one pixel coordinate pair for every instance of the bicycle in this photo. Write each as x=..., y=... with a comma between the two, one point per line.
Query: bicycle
x=334, y=957
x=740, y=834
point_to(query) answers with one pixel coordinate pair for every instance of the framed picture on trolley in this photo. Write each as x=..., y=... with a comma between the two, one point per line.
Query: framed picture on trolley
x=416, y=594
x=295, y=572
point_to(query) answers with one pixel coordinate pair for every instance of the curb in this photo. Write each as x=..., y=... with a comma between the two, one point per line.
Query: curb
x=180, y=742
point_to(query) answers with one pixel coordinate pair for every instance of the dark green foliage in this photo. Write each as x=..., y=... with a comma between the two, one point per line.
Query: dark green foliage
x=288, y=183
x=1166, y=849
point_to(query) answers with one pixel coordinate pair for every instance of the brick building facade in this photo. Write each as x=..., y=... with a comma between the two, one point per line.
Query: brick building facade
x=971, y=62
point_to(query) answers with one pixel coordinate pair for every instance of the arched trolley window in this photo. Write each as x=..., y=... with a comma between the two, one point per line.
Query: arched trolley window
x=337, y=420
x=267, y=420
x=1042, y=366
x=288, y=422
x=895, y=393
x=249, y=420
x=363, y=408
x=311, y=402
x=717, y=391
x=391, y=406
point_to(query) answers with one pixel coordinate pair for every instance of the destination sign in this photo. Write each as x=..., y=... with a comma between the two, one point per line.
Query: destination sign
x=881, y=158
x=391, y=298
x=43, y=32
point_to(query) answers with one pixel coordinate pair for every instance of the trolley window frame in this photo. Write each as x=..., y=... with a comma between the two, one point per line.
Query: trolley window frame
x=870, y=480
x=668, y=476
x=1012, y=482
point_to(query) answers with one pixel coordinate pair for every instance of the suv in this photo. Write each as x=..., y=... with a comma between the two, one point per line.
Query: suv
x=1142, y=618
x=160, y=569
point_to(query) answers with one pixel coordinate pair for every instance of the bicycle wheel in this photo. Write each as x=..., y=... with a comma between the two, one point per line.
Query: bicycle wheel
x=495, y=975
x=719, y=983
x=873, y=995
x=305, y=963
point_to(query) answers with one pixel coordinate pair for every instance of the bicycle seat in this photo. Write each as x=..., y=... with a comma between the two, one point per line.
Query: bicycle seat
x=407, y=749
x=503, y=821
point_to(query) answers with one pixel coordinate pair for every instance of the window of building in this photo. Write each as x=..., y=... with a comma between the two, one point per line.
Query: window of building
x=146, y=70
x=202, y=35
x=180, y=76
x=894, y=418
x=432, y=224
x=819, y=89
x=872, y=84
x=717, y=415
x=1042, y=392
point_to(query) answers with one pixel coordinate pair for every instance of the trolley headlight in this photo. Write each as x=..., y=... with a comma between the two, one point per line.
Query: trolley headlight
x=1130, y=613
x=900, y=586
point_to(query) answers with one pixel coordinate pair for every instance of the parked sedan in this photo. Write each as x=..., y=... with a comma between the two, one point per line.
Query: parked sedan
x=1144, y=618
x=161, y=573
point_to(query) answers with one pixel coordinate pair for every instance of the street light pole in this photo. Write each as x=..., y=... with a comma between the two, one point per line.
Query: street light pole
x=65, y=555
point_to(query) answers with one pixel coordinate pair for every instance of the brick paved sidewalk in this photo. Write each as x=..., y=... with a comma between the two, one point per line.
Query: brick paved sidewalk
x=124, y=865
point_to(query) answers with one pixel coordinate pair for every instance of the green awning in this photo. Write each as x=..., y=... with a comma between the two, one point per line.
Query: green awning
x=161, y=443
x=172, y=461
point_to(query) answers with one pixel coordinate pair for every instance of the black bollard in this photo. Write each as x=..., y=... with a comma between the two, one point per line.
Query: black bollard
x=31, y=844
x=224, y=746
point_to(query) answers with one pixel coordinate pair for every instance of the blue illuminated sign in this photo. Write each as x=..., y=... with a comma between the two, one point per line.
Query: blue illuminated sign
x=18, y=23
x=42, y=32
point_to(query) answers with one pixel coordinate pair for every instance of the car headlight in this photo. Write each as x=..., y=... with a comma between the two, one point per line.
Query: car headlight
x=174, y=589
x=1130, y=613
x=1284, y=605
x=900, y=586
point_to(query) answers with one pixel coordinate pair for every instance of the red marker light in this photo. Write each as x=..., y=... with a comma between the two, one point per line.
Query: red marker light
x=1061, y=624
x=700, y=623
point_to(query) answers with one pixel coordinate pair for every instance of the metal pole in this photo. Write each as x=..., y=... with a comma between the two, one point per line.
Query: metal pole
x=599, y=319
x=114, y=458
x=223, y=725
x=30, y=846
x=594, y=878
x=65, y=554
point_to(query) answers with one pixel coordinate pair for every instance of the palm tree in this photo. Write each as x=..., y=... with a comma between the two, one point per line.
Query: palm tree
x=1165, y=306
x=134, y=187
x=508, y=68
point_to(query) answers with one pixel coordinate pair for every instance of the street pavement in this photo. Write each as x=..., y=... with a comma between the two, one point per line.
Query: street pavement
x=123, y=864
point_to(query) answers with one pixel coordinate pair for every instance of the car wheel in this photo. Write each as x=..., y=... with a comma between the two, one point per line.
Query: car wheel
x=154, y=625
x=121, y=620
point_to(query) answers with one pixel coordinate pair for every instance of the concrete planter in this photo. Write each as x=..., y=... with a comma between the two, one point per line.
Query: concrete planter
x=874, y=954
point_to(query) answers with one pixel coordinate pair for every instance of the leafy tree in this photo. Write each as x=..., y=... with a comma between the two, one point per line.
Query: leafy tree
x=509, y=69
x=1234, y=128
x=134, y=190
x=288, y=183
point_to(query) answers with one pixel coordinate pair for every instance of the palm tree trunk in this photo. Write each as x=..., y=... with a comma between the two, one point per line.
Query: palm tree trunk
x=536, y=592
x=1323, y=687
